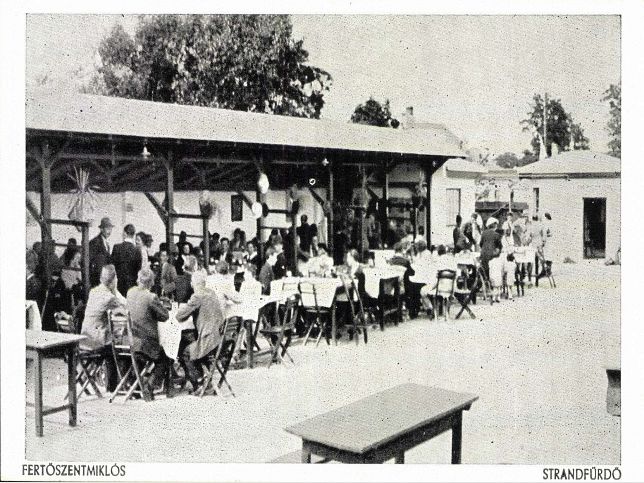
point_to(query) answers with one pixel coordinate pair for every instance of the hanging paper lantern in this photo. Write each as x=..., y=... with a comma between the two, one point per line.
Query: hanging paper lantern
x=84, y=202
x=257, y=210
x=262, y=183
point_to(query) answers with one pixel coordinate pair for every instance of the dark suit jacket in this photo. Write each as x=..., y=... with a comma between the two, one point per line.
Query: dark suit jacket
x=208, y=317
x=490, y=244
x=266, y=276
x=146, y=311
x=127, y=260
x=98, y=258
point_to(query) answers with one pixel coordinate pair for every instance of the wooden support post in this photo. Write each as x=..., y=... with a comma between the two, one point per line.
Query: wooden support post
x=330, y=232
x=206, y=243
x=45, y=209
x=384, y=218
x=85, y=273
x=259, y=227
x=169, y=198
x=362, y=212
x=294, y=241
x=428, y=206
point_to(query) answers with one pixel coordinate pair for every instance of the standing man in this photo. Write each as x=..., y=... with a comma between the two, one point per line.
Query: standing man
x=460, y=241
x=99, y=251
x=304, y=231
x=126, y=257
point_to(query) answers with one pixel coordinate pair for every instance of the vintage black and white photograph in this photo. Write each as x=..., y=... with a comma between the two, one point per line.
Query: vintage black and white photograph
x=347, y=238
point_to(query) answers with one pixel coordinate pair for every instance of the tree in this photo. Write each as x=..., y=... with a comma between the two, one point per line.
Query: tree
x=527, y=158
x=374, y=114
x=507, y=160
x=557, y=126
x=241, y=62
x=578, y=139
x=614, y=97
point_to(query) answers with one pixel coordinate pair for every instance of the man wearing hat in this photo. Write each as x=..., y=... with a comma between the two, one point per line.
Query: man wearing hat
x=99, y=251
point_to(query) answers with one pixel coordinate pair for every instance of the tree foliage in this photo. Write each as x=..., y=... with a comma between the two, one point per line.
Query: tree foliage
x=579, y=140
x=560, y=127
x=241, y=62
x=507, y=160
x=613, y=96
x=374, y=114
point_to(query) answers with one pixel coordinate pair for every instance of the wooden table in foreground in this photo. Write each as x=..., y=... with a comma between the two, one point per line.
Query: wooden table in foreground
x=385, y=425
x=39, y=344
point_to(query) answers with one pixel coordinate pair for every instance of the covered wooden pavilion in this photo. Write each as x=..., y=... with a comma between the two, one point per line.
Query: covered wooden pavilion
x=134, y=145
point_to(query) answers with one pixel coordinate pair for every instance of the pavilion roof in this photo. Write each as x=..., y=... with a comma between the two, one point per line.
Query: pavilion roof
x=92, y=114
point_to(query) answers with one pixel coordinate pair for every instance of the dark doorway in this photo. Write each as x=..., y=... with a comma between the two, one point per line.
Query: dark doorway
x=594, y=227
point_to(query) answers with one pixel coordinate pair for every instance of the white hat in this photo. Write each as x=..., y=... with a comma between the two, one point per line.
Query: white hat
x=491, y=221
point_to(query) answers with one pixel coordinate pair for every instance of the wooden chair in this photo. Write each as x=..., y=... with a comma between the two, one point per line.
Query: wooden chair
x=444, y=293
x=313, y=314
x=359, y=321
x=219, y=361
x=464, y=293
x=89, y=370
x=546, y=267
x=132, y=381
x=279, y=335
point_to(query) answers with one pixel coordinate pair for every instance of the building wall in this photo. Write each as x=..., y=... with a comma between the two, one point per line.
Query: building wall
x=442, y=180
x=564, y=200
x=134, y=207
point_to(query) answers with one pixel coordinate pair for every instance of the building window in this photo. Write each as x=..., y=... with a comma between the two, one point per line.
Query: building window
x=453, y=205
x=535, y=200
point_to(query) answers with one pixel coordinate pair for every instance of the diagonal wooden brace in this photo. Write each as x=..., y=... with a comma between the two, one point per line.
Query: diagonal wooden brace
x=158, y=206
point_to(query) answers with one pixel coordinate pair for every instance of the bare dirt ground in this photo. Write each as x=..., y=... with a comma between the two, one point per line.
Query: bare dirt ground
x=537, y=364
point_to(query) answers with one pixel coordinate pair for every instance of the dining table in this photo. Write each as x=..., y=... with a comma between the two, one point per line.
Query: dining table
x=39, y=346
x=385, y=425
x=248, y=309
x=327, y=290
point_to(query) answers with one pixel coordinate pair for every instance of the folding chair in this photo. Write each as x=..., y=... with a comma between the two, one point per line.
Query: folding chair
x=89, y=369
x=445, y=284
x=313, y=314
x=358, y=314
x=131, y=381
x=220, y=360
x=279, y=335
x=464, y=295
x=546, y=266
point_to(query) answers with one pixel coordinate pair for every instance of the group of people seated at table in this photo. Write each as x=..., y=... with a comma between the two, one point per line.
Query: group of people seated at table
x=146, y=309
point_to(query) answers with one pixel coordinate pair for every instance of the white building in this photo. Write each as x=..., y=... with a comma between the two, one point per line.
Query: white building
x=581, y=191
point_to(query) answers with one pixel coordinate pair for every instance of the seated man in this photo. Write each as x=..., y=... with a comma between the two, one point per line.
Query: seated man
x=102, y=298
x=208, y=316
x=443, y=261
x=146, y=310
x=266, y=274
x=412, y=295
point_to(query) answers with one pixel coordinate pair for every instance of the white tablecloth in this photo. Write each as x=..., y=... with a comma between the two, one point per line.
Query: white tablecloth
x=34, y=321
x=471, y=258
x=325, y=289
x=373, y=276
x=170, y=331
x=524, y=254
x=381, y=257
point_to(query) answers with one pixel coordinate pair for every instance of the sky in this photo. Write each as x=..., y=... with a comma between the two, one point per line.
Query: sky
x=475, y=74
